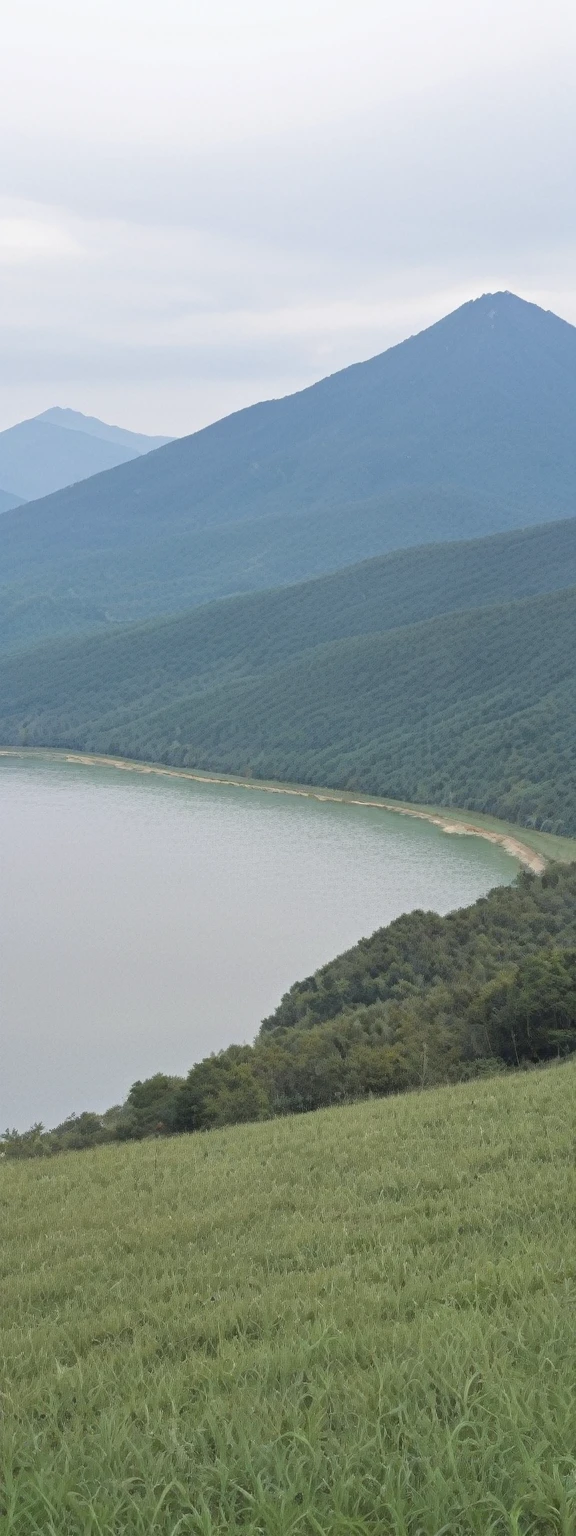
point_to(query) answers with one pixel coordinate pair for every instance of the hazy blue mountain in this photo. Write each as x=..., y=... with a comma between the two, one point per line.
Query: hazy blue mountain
x=75, y=421
x=60, y=448
x=464, y=430
x=8, y=501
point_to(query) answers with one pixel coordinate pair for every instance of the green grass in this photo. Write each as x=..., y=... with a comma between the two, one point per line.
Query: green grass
x=359, y=1321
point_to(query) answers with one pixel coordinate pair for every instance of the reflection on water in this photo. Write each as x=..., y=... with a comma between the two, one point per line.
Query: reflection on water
x=146, y=922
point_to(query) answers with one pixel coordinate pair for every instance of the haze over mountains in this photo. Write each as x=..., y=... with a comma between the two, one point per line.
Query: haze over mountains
x=466, y=429
x=60, y=447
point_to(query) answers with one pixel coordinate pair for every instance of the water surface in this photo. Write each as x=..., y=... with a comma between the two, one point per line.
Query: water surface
x=146, y=922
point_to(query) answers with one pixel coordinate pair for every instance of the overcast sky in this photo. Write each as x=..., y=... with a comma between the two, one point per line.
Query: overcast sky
x=208, y=202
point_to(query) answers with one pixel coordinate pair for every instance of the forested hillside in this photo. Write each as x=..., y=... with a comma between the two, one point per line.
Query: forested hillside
x=426, y=1000
x=377, y=594
x=474, y=708
x=464, y=430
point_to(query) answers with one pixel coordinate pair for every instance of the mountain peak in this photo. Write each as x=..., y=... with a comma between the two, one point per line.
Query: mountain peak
x=510, y=306
x=465, y=429
x=61, y=447
x=499, y=325
x=75, y=421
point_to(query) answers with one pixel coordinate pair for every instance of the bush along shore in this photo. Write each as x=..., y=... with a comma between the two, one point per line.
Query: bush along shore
x=424, y=1001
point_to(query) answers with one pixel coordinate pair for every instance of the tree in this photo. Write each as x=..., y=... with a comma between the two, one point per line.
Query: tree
x=150, y=1108
x=528, y=1013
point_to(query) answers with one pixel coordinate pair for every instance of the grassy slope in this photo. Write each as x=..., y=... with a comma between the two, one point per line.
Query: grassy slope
x=464, y=429
x=359, y=1322
x=475, y=709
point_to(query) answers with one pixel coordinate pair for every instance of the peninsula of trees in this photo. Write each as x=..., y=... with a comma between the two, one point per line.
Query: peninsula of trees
x=427, y=1000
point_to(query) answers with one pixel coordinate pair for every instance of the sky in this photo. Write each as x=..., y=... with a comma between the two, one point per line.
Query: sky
x=209, y=202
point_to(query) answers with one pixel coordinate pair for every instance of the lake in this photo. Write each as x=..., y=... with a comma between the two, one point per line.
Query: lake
x=146, y=922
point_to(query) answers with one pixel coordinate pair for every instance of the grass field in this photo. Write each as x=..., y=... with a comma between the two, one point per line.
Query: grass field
x=358, y=1321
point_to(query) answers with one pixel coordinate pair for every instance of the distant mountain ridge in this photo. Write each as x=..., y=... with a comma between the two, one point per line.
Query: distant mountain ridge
x=464, y=430
x=8, y=501
x=75, y=421
x=61, y=447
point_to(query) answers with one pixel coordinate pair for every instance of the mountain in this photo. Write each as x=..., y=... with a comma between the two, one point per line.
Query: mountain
x=8, y=501
x=463, y=430
x=74, y=421
x=370, y=680
x=61, y=447
x=376, y=595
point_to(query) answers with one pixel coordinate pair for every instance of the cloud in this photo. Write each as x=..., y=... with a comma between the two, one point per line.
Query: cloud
x=246, y=197
x=26, y=240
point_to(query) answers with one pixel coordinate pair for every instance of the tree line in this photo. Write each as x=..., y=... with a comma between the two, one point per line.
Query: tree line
x=474, y=709
x=425, y=1000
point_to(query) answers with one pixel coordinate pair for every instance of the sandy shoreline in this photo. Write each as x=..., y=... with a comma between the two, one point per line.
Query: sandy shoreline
x=526, y=856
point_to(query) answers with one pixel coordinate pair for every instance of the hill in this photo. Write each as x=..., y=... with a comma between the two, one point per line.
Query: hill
x=75, y=421
x=8, y=501
x=464, y=430
x=374, y=595
x=423, y=1001
x=61, y=447
x=445, y=983
x=475, y=708
x=356, y=1321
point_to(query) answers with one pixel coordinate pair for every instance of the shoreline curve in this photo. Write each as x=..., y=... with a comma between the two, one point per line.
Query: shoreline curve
x=526, y=856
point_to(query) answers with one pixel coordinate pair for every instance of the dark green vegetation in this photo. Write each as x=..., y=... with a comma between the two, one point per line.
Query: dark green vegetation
x=474, y=708
x=426, y=1000
x=356, y=1323
x=464, y=430
x=61, y=446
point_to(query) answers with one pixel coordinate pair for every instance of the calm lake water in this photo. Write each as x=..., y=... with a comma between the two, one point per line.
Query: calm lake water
x=146, y=922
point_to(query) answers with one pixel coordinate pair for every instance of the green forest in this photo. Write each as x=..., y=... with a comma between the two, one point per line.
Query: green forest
x=424, y=1001
x=474, y=708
